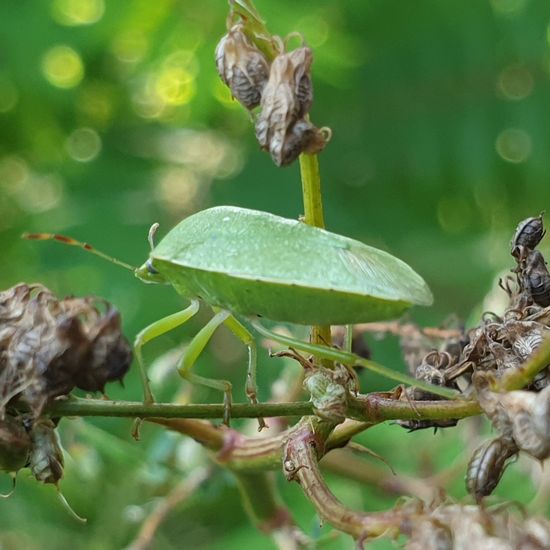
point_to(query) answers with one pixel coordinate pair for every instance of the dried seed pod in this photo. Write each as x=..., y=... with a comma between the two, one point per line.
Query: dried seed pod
x=430, y=535
x=15, y=444
x=303, y=137
x=242, y=66
x=519, y=416
x=536, y=279
x=281, y=127
x=46, y=458
x=487, y=466
x=528, y=235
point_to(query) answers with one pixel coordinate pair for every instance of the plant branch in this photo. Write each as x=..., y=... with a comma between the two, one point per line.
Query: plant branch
x=371, y=408
x=301, y=464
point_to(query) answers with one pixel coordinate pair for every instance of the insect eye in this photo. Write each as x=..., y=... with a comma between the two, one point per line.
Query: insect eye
x=150, y=268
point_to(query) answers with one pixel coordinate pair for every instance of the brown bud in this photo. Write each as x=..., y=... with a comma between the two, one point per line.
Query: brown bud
x=303, y=137
x=46, y=459
x=242, y=67
x=15, y=444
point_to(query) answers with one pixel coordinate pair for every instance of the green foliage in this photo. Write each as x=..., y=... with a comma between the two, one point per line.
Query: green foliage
x=112, y=117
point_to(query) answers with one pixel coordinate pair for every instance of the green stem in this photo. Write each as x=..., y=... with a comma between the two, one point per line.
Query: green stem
x=371, y=408
x=128, y=409
x=311, y=190
x=313, y=215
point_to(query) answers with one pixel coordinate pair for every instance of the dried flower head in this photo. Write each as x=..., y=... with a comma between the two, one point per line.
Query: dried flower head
x=49, y=346
x=242, y=66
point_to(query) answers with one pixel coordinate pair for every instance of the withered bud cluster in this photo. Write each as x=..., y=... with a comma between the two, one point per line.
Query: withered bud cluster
x=497, y=346
x=47, y=348
x=522, y=419
x=283, y=90
x=50, y=346
x=456, y=527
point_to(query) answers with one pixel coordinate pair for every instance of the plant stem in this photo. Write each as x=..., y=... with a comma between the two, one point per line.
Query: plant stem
x=371, y=408
x=129, y=409
x=313, y=215
x=311, y=190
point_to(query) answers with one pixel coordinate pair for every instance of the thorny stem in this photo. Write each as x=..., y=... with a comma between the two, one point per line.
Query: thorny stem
x=301, y=464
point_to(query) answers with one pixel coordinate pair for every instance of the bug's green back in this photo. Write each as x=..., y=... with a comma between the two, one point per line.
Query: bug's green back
x=253, y=262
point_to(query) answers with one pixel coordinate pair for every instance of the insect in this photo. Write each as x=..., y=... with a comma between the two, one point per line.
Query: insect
x=536, y=279
x=487, y=466
x=253, y=264
x=528, y=235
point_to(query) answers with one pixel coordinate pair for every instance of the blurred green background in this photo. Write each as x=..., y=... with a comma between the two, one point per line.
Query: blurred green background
x=112, y=117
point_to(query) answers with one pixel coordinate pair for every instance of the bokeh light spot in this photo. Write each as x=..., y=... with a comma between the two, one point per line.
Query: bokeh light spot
x=77, y=12
x=41, y=193
x=14, y=172
x=8, y=94
x=62, y=67
x=514, y=145
x=508, y=7
x=83, y=145
x=175, y=86
x=177, y=189
x=515, y=82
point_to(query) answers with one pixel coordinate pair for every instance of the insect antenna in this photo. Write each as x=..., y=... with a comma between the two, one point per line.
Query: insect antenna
x=73, y=242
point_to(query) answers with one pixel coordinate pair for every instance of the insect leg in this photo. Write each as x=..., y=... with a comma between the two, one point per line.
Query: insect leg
x=193, y=351
x=158, y=328
x=248, y=340
x=347, y=358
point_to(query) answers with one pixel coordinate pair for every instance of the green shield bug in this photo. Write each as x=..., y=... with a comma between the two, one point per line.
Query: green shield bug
x=254, y=264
